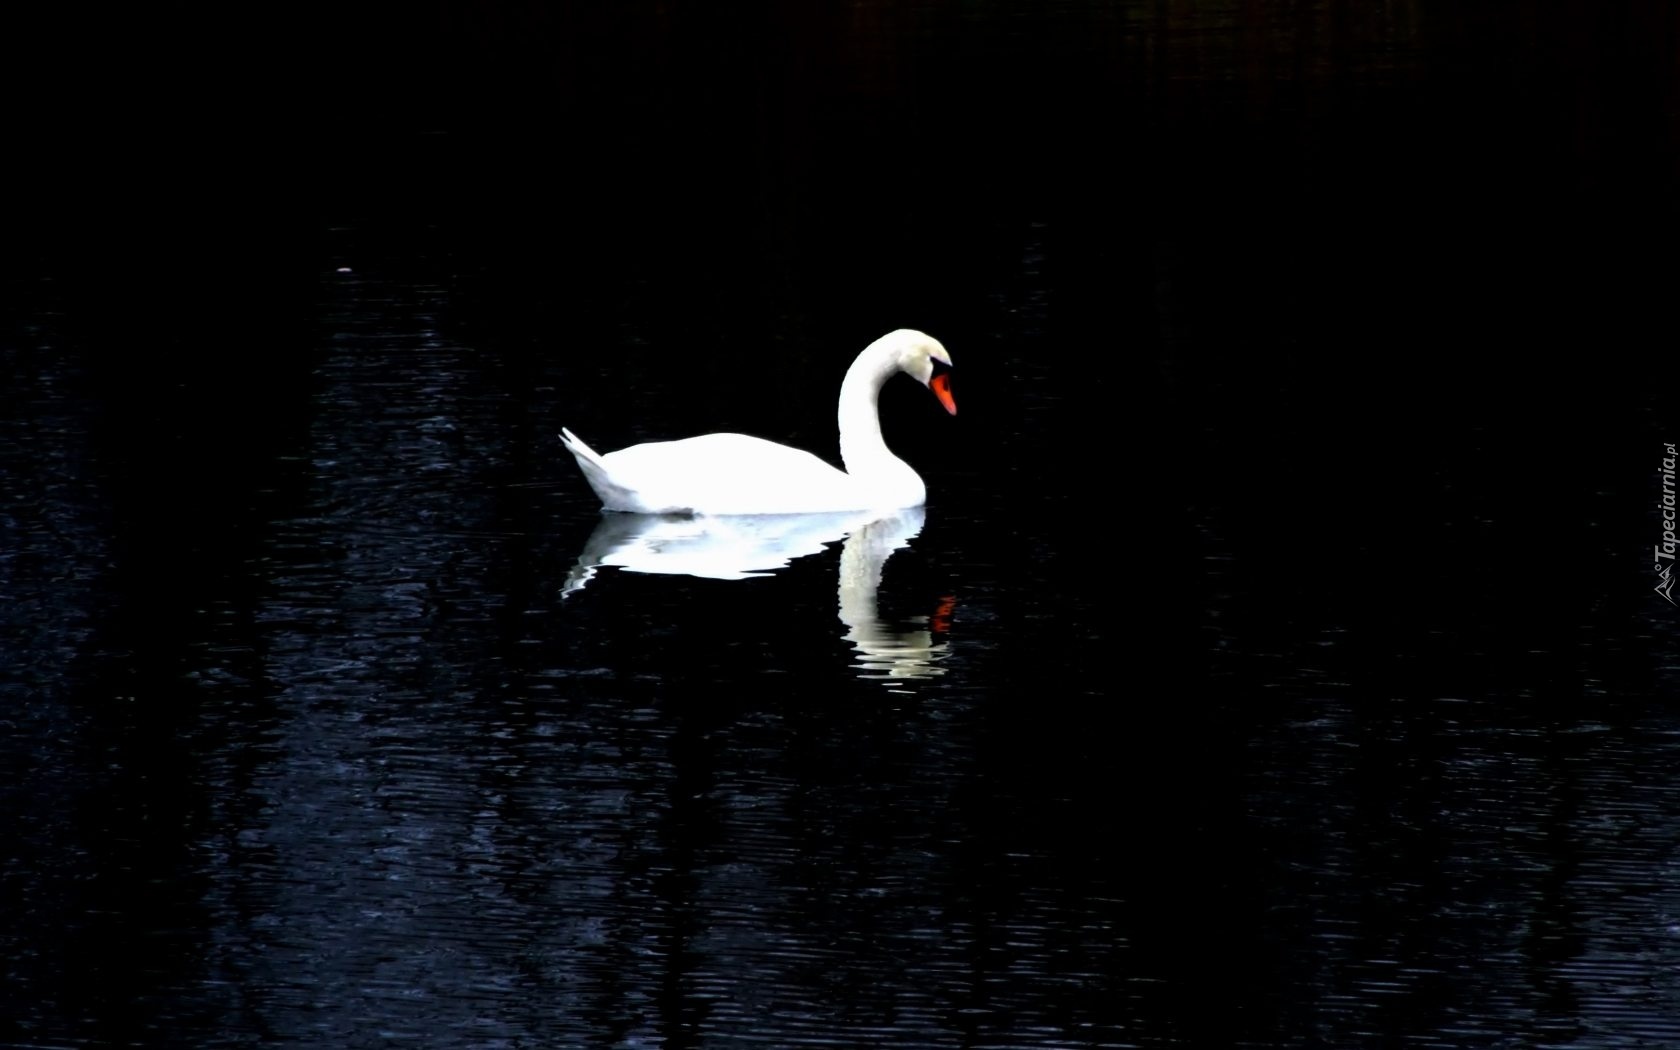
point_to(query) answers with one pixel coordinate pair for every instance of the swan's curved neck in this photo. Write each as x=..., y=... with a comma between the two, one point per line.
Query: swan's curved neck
x=882, y=478
x=862, y=448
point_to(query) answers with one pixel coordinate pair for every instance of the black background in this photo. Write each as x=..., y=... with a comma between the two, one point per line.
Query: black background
x=1266, y=318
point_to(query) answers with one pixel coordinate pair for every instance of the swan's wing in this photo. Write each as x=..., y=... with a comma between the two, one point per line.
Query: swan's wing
x=727, y=474
x=716, y=474
x=710, y=455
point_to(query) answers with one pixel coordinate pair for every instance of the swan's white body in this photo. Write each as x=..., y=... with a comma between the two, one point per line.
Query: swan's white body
x=737, y=474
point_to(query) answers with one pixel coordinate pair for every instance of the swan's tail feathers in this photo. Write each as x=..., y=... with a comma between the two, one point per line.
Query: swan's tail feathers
x=614, y=494
x=586, y=456
x=594, y=467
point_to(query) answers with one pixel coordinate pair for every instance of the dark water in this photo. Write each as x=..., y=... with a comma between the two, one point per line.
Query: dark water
x=1275, y=664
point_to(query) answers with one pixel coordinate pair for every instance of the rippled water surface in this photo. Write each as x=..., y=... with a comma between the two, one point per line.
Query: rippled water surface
x=1275, y=662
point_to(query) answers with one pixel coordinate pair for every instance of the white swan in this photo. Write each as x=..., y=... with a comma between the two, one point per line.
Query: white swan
x=737, y=474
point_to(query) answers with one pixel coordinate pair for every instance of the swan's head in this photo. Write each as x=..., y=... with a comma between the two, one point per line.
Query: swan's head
x=925, y=359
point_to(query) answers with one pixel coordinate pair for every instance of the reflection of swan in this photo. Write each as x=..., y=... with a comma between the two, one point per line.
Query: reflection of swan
x=731, y=547
x=741, y=547
x=736, y=474
x=883, y=652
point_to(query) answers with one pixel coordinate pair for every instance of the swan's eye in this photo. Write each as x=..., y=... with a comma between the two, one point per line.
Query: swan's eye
x=939, y=367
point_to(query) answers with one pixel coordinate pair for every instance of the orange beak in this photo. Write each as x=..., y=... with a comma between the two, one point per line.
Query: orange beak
x=941, y=387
